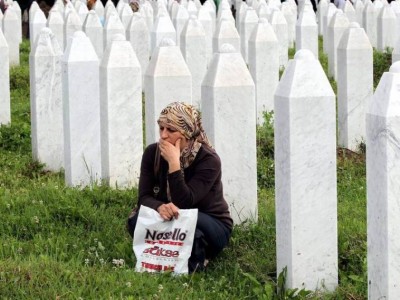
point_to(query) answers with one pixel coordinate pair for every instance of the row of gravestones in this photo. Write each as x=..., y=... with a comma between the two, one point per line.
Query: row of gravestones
x=96, y=122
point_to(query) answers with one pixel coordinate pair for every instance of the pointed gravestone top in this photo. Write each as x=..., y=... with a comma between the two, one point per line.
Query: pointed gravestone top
x=80, y=50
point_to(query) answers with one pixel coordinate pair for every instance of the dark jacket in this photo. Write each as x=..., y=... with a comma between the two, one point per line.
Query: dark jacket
x=199, y=187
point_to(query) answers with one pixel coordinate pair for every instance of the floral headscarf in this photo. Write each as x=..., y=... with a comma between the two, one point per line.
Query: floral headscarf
x=186, y=119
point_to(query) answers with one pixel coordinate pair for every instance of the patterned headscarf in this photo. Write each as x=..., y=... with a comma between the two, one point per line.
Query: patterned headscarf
x=186, y=119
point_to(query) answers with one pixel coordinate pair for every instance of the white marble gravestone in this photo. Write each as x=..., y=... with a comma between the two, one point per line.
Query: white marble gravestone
x=370, y=22
x=264, y=66
x=396, y=52
x=291, y=19
x=359, y=8
x=46, y=101
x=139, y=36
x=327, y=18
x=249, y=22
x=81, y=112
x=82, y=12
x=307, y=33
x=354, y=85
x=32, y=10
x=126, y=15
x=55, y=23
x=205, y=19
x=305, y=175
x=321, y=13
x=229, y=113
x=349, y=11
x=94, y=31
x=5, y=111
x=112, y=26
x=148, y=14
x=387, y=34
x=383, y=187
x=36, y=24
x=15, y=6
x=279, y=25
x=167, y=79
x=1, y=20
x=337, y=26
x=10, y=31
x=72, y=24
x=182, y=16
x=226, y=33
x=163, y=28
x=99, y=9
x=120, y=114
x=193, y=47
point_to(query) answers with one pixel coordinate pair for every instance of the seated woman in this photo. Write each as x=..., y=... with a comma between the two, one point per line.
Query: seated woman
x=189, y=177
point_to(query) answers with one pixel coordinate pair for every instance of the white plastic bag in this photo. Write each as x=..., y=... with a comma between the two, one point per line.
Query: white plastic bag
x=164, y=245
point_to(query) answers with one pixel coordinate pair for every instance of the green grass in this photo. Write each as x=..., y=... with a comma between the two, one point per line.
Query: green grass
x=64, y=243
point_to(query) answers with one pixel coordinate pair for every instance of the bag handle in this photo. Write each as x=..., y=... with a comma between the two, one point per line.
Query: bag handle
x=156, y=188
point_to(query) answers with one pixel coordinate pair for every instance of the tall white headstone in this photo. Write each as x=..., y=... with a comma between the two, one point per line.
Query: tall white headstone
x=163, y=28
x=279, y=25
x=181, y=18
x=354, y=84
x=15, y=6
x=139, y=37
x=193, y=47
x=10, y=31
x=5, y=110
x=337, y=26
x=307, y=33
x=383, y=187
x=291, y=19
x=321, y=13
x=94, y=31
x=121, y=114
x=359, y=8
x=167, y=79
x=205, y=19
x=386, y=32
x=370, y=22
x=81, y=112
x=264, y=66
x=126, y=15
x=229, y=117
x=46, y=101
x=112, y=26
x=55, y=23
x=72, y=24
x=249, y=22
x=226, y=33
x=38, y=22
x=305, y=175
x=327, y=19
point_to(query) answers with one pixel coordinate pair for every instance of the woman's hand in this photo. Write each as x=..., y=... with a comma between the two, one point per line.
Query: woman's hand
x=168, y=211
x=171, y=153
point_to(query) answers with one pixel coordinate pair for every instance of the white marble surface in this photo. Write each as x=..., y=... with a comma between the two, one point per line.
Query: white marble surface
x=126, y=15
x=99, y=9
x=167, y=79
x=359, y=8
x=163, y=28
x=354, y=85
x=349, y=11
x=55, y=23
x=337, y=26
x=179, y=21
x=32, y=10
x=5, y=111
x=248, y=23
x=94, y=31
x=396, y=52
x=81, y=112
x=326, y=20
x=36, y=24
x=10, y=31
x=72, y=24
x=1, y=20
x=229, y=118
x=383, y=188
x=46, y=101
x=307, y=33
x=279, y=25
x=387, y=34
x=226, y=33
x=15, y=6
x=291, y=19
x=121, y=114
x=148, y=13
x=305, y=176
x=205, y=18
x=264, y=66
x=112, y=26
x=370, y=22
x=321, y=13
x=193, y=47
x=139, y=36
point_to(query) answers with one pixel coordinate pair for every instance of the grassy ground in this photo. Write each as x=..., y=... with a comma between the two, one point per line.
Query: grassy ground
x=63, y=243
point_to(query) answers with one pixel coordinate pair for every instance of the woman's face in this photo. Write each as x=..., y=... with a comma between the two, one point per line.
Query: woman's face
x=171, y=135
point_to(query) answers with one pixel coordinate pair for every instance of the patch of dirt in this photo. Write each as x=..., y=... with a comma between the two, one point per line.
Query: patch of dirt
x=344, y=154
